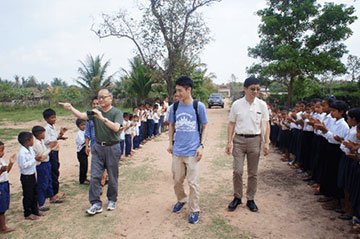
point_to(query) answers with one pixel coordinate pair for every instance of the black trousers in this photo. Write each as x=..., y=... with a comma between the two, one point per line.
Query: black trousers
x=55, y=165
x=30, y=194
x=83, y=160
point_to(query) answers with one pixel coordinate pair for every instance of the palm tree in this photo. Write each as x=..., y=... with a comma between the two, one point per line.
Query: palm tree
x=139, y=80
x=92, y=75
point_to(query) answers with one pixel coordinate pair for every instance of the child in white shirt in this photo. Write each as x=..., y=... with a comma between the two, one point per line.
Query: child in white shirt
x=81, y=153
x=4, y=188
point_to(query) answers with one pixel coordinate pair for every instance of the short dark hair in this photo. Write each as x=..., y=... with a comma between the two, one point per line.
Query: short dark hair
x=156, y=106
x=48, y=113
x=251, y=81
x=1, y=143
x=36, y=130
x=94, y=98
x=135, y=107
x=355, y=113
x=23, y=137
x=79, y=121
x=185, y=81
x=130, y=116
x=126, y=114
x=340, y=106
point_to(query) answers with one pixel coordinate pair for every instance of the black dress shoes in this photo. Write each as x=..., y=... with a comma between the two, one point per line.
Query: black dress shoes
x=252, y=206
x=232, y=206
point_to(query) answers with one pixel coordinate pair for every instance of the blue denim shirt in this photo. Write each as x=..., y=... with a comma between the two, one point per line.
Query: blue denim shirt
x=90, y=132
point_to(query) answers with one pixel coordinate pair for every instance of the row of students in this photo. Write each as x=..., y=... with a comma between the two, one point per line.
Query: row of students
x=38, y=163
x=321, y=139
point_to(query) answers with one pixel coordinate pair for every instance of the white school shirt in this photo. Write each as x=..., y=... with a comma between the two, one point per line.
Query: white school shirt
x=150, y=115
x=126, y=124
x=26, y=161
x=40, y=148
x=122, y=134
x=350, y=137
x=4, y=177
x=340, y=128
x=247, y=117
x=51, y=136
x=80, y=140
x=307, y=127
x=327, y=120
x=156, y=117
x=143, y=116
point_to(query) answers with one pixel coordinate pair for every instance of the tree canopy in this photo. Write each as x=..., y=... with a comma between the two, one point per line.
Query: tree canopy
x=301, y=39
x=168, y=32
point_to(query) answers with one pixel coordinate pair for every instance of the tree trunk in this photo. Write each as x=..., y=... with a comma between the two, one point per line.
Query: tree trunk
x=290, y=91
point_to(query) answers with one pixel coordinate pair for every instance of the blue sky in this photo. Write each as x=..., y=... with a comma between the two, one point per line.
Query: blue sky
x=47, y=39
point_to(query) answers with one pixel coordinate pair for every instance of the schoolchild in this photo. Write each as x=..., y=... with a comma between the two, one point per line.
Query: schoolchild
x=127, y=129
x=80, y=151
x=338, y=129
x=136, y=132
x=43, y=169
x=151, y=122
x=4, y=188
x=156, y=118
x=26, y=160
x=52, y=136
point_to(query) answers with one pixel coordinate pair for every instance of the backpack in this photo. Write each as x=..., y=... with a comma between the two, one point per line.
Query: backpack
x=195, y=105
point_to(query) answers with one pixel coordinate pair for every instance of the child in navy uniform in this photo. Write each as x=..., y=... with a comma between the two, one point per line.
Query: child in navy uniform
x=52, y=136
x=4, y=188
x=26, y=160
x=43, y=169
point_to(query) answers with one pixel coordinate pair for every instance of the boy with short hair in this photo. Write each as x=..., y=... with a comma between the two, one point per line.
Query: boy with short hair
x=4, y=188
x=43, y=169
x=52, y=136
x=81, y=153
x=127, y=129
x=26, y=160
x=156, y=118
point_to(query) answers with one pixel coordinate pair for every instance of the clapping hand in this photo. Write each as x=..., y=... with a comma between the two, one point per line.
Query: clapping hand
x=338, y=138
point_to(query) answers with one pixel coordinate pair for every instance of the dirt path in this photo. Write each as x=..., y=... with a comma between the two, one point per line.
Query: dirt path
x=287, y=208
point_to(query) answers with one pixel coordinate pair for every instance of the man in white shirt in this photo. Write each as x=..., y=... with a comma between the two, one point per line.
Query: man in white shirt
x=248, y=116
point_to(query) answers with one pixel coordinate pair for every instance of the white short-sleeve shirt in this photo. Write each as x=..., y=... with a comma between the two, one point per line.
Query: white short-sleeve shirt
x=247, y=117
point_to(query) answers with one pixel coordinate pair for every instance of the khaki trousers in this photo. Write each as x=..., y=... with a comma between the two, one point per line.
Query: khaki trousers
x=251, y=148
x=183, y=166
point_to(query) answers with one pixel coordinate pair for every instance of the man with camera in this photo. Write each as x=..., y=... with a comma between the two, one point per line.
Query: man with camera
x=106, y=152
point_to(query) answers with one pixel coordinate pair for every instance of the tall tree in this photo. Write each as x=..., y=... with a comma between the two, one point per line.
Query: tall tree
x=168, y=30
x=300, y=38
x=353, y=67
x=93, y=75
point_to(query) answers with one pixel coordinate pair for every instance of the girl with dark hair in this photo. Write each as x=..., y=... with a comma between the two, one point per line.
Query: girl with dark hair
x=334, y=133
x=347, y=166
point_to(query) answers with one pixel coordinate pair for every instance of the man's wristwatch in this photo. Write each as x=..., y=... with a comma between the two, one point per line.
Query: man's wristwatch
x=202, y=145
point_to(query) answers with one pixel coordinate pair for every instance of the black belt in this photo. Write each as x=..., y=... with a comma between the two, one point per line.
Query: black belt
x=248, y=135
x=108, y=143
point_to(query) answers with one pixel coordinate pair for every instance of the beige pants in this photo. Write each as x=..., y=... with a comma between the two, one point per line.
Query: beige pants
x=251, y=148
x=183, y=166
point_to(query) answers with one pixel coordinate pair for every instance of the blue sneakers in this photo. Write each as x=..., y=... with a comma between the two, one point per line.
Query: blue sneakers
x=178, y=206
x=194, y=217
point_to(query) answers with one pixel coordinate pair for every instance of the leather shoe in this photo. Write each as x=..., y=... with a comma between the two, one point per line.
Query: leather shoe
x=251, y=205
x=232, y=206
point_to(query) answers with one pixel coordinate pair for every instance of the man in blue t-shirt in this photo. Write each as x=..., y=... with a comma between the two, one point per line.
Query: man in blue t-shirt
x=188, y=118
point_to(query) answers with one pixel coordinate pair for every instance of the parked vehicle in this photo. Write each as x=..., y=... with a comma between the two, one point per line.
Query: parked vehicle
x=215, y=100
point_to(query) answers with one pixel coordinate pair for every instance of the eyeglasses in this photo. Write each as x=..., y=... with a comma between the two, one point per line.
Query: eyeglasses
x=103, y=97
x=254, y=89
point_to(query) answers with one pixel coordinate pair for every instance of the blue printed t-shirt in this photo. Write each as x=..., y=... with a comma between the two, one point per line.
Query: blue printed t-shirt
x=187, y=137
